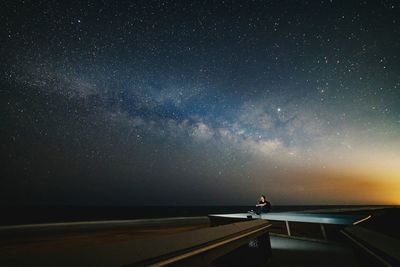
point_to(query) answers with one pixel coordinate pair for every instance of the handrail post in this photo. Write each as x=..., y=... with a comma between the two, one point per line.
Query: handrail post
x=288, y=228
x=323, y=231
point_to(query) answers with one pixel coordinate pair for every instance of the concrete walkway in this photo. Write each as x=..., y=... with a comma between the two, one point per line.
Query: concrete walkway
x=298, y=252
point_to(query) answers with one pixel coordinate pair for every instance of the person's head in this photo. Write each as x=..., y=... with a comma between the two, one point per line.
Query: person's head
x=263, y=198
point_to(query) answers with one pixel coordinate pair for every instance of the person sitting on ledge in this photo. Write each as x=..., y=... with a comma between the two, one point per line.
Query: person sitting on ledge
x=263, y=206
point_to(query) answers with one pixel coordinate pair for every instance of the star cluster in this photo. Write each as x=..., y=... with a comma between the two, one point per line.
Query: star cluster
x=200, y=102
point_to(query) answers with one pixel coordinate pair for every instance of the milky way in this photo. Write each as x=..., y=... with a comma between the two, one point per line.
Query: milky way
x=200, y=103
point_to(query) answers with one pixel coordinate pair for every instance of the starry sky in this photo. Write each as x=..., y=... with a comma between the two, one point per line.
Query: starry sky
x=199, y=102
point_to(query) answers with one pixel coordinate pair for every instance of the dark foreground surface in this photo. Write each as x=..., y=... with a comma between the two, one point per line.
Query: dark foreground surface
x=386, y=221
x=48, y=238
x=285, y=251
x=298, y=252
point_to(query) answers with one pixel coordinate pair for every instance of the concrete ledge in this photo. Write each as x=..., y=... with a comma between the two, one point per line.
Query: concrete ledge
x=204, y=244
x=97, y=226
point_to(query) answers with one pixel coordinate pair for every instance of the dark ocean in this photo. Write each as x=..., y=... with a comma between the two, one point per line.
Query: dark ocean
x=30, y=215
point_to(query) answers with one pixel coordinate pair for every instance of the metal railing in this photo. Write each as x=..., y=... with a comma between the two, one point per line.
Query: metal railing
x=294, y=217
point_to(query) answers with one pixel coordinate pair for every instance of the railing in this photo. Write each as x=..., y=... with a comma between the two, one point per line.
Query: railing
x=321, y=219
x=289, y=217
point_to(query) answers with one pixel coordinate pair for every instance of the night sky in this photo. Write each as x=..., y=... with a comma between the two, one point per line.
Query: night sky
x=199, y=103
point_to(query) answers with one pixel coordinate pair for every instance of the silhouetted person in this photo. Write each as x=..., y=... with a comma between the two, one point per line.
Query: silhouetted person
x=263, y=206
